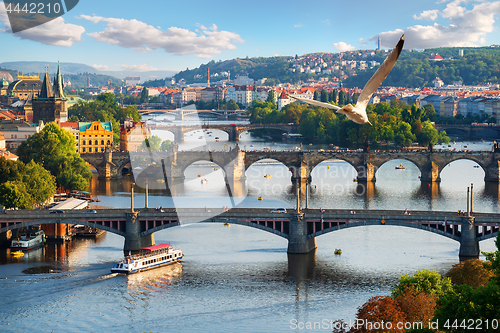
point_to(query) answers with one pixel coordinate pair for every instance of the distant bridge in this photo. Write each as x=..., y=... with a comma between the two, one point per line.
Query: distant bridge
x=470, y=132
x=300, y=229
x=233, y=130
x=181, y=113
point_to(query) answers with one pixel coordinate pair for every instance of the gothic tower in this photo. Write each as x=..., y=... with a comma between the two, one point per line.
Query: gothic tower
x=50, y=105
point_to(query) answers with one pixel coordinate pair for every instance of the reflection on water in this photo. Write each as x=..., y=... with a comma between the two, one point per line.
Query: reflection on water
x=154, y=280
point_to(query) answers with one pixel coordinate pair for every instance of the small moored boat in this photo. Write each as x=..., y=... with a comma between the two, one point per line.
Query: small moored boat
x=18, y=253
x=400, y=167
x=267, y=176
x=147, y=258
x=31, y=239
x=337, y=251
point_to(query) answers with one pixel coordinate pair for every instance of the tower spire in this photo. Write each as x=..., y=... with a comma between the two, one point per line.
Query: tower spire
x=46, y=90
x=58, y=84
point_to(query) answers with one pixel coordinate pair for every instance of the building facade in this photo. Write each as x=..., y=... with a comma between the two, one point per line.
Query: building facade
x=133, y=134
x=95, y=136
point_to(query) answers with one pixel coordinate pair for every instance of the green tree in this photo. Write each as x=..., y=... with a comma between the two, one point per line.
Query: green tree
x=354, y=98
x=54, y=148
x=428, y=134
x=39, y=183
x=232, y=105
x=144, y=95
x=270, y=96
x=324, y=95
x=404, y=136
x=465, y=305
x=424, y=280
x=493, y=261
x=153, y=143
x=166, y=145
x=342, y=97
x=13, y=194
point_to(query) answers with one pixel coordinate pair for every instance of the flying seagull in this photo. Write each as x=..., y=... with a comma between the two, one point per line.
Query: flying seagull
x=358, y=113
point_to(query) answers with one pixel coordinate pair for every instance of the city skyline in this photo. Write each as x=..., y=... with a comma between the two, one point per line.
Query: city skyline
x=170, y=36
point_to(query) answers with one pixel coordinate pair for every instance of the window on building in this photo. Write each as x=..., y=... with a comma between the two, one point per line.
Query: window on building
x=107, y=143
x=83, y=150
x=96, y=142
x=102, y=142
x=83, y=142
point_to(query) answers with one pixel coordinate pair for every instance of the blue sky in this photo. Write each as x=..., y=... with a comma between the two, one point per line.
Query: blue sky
x=175, y=35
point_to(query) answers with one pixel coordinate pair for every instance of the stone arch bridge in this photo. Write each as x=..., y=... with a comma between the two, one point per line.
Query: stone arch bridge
x=233, y=130
x=300, y=163
x=300, y=229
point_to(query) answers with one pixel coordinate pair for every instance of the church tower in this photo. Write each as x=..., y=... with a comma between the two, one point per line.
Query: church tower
x=51, y=104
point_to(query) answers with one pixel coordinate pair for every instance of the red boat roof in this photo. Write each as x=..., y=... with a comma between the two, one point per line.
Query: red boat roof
x=155, y=247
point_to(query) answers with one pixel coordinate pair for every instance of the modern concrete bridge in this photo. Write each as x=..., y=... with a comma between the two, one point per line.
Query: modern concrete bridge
x=300, y=163
x=300, y=229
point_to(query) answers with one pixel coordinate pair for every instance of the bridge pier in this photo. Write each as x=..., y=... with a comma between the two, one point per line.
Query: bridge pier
x=298, y=243
x=492, y=171
x=430, y=173
x=133, y=241
x=233, y=133
x=469, y=246
x=366, y=172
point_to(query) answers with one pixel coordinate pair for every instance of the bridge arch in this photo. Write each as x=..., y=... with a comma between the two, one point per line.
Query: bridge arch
x=377, y=223
x=261, y=225
x=463, y=157
x=84, y=222
x=488, y=236
x=406, y=158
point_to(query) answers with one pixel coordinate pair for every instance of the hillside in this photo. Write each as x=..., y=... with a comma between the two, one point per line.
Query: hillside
x=413, y=69
x=39, y=67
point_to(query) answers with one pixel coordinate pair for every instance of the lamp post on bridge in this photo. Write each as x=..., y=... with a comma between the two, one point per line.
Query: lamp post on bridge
x=132, y=197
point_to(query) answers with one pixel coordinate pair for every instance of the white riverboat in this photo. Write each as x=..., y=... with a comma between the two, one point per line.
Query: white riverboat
x=147, y=258
x=28, y=240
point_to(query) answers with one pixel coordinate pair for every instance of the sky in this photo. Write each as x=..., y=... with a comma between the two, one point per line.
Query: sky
x=175, y=35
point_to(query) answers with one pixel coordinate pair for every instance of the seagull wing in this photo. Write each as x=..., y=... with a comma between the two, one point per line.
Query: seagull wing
x=379, y=75
x=317, y=103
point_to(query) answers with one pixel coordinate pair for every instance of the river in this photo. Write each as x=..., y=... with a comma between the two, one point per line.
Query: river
x=235, y=278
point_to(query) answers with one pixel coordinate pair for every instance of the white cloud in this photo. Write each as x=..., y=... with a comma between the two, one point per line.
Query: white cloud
x=299, y=25
x=55, y=32
x=428, y=15
x=327, y=22
x=138, y=68
x=143, y=37
x=342, y=47
x=101, y=67
x=465, y=28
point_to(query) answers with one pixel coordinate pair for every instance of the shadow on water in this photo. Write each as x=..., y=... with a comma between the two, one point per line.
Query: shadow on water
x=302, y=266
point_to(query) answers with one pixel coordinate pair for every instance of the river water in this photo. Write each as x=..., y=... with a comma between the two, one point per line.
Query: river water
x=235, y=278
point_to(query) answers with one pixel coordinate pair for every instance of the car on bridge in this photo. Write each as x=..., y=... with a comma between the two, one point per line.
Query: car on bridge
x=91, y=211
x=57, y=211
x=279, y=210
